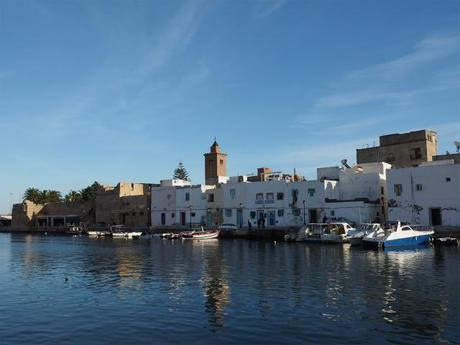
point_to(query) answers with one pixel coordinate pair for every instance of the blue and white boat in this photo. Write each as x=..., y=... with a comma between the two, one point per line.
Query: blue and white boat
x=402, y=236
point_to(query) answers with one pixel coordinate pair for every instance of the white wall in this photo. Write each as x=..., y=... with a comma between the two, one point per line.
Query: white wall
x=413, y=206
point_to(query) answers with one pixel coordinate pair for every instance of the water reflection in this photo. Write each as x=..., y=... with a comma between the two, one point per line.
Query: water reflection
x=277, y=291
x=215, y=285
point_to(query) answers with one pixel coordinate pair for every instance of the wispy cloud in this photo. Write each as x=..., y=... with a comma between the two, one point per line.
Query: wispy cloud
x=265, y=8
x=177, y=36
x=383, y=82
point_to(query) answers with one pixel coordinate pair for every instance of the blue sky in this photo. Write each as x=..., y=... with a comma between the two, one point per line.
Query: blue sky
x=124, y=90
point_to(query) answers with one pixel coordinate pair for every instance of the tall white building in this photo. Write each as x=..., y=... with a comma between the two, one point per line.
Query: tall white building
x=428, y=194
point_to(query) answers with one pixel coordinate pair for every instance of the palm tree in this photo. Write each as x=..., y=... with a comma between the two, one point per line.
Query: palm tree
x=32, y=194
x=50, y=196
x=73, y=196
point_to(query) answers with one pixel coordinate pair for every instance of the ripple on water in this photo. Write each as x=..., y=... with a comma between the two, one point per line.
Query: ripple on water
x=78, y=290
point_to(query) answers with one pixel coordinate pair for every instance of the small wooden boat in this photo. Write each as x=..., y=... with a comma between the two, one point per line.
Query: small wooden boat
x=201, y=235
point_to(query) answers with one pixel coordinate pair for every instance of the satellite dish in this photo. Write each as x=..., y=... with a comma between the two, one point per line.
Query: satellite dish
x=457, y=145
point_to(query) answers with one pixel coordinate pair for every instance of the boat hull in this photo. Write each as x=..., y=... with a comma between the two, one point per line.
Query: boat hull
x=408, y=241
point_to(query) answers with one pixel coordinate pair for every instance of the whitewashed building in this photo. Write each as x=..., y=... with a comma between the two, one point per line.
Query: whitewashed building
x=428, y=194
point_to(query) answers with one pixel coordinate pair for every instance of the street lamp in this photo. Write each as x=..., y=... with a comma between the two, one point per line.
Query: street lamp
x=190, y=216
x=304, y=222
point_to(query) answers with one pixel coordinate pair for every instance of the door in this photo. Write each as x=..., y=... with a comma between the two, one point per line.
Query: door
x=313, y=215
x=271, y=218
x=163, y=218
x=435, y=216
x=182, y=218
x=239, y=218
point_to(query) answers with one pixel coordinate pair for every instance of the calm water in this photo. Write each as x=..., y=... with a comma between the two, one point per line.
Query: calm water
x=76, y=290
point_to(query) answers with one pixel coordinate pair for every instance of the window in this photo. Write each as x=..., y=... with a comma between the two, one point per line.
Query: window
x=296, y=212
x=259, y=198
x=311, y=191
x=192, y=214
x=398, y=189
x=332, y=213
x=382, y=190
x=280, y=213
x=269, y=198
x=416, y=153
x=252, y=214
x=447, y=179
x=279, y=196
x=173, y=215
x=295, y=195
x=228, y=212
x=133, y=214
x=169, y=196
x=141, y=213
x=210, y=197
x=418, y=187
x=232, y=194
x=187, y=196
x=132, y=186
x=221, y=162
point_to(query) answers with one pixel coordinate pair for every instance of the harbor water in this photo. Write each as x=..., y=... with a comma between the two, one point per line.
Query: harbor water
x=78, y=290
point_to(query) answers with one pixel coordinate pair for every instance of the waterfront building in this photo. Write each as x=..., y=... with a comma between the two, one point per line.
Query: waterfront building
x=53, y=214
x=401, y=150
x=428, y=194
x=273, y=199
x=177, y=202
x=126, y=203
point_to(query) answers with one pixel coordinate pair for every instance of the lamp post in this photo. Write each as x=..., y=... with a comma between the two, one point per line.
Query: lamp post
x=190, y=216
x=304, y=222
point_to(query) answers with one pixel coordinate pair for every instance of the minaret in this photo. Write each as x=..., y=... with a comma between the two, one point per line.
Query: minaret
x=215, y=164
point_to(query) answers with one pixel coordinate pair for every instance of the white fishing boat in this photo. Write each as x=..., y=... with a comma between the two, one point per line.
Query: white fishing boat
x=401, y=236
x=98, y=233
x=201, y=235
x=336, y=233
x=356, y=236
x=120, y=231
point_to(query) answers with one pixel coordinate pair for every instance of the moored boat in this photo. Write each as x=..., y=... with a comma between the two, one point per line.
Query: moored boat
x=120, y=231
x=336, y=233
x=401, y=236
x=356, y=235
x=201, y=235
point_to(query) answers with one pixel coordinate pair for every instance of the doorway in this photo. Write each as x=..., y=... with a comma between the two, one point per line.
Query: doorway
x=271, y=218
x=163, y=218
x=313, y=215
x=182, y=218
x=435, y=216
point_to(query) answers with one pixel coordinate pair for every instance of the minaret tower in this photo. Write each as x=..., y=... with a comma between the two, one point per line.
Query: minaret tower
x=215, y=164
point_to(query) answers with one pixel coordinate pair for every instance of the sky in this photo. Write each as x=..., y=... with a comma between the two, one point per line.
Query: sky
x=115, y=91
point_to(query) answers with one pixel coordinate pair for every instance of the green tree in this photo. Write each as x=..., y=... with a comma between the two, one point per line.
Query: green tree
x=50, y=196
x=73, y=196
x=89, y=193
x=32, y=194
x=181, y=172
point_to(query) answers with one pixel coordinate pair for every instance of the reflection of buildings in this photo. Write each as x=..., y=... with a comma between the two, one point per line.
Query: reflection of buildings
x=216, y=288
x=129, y=265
